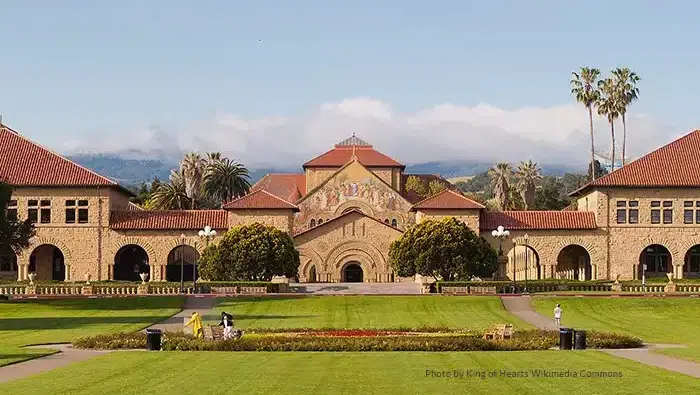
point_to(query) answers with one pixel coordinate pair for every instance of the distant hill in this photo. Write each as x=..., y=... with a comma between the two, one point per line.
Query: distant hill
x=132, y=172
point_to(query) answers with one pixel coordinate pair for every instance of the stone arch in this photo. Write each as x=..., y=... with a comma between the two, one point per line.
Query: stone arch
x=574, y=263
x=362, y=206
x=180, y=263
x=596, y=255
x=359, y=248
x=177, y=242
x=677, y=254
x=152, y=256
x=39, y=241
x=516, y=258
x=308, y=258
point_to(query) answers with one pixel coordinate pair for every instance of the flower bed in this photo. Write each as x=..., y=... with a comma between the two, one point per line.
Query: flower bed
x=355, y=340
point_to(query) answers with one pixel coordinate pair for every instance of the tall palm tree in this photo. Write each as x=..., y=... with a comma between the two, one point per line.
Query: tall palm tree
x=584, y=86
x=171, y=195
x=226, y=180
x=193, y=167
x=528, y=175
x=609, y=107
x=213, y=157
x=500, y=176
x=626, y=81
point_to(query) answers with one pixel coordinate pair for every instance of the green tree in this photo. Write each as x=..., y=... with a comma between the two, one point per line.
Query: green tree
x=192, y=169
x=254, y=252
x=584, y=87
x=226, y=180
x=599, y=171
x=171, y=195
x=528, y=176
x=435, y=187
x=447, y=249
x=551, y=194
x=501, y=175
x=626, y=84
x=609, y=106
x=415, y=184
x=14, y=234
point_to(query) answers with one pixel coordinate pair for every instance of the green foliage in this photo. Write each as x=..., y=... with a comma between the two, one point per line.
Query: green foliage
x=14, y=234
x=599, y=170
x=225, y=180
x=551, y=195
x=254, y=252
x=415, y=184
x=435, y=187
x=445, y=248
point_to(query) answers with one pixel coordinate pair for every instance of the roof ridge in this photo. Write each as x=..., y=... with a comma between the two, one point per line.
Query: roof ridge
x=261, y=190
x=50, y=151
x=448, y=190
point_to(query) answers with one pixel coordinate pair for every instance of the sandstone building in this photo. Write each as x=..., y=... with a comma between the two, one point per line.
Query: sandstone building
x=344, y=210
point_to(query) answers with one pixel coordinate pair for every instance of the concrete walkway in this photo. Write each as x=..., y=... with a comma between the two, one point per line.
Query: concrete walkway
x=68, y=355
x=521, y=306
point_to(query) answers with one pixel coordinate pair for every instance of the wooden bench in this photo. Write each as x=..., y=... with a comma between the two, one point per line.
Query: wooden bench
x=480, y=290
x=500, y=331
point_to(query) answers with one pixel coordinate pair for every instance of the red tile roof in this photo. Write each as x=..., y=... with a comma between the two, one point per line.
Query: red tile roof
x=332, y=220
x=412, y=196
x=170, y=219
x=448, y=199
x=25, y=163
x=676, y=164
x=259, y=199
x=344, y=151
x=537, y=220
x=290, y=187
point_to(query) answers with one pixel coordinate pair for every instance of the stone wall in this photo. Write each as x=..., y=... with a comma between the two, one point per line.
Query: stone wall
x=281, y=219
x=469, y=217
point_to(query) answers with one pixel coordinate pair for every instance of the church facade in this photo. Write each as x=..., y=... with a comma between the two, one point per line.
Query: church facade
x=344, y=210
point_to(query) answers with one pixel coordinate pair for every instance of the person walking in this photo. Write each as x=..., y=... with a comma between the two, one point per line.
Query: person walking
x=227, y=323
x=196, y=322
x=557, y=316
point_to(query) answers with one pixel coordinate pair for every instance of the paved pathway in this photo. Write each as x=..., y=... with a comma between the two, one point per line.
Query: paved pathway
x=68, y=355
x=407, y=288
x=521, y=306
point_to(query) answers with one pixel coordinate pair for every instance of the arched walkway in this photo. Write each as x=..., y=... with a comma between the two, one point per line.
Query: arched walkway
x=691, y=266
x=655, y=261
x=352, y=273
x=8, y=265
x=521, y=257
x=181, y=263
x=129, y=262
x=574, y=263
x=48, y=263
x=312, y=274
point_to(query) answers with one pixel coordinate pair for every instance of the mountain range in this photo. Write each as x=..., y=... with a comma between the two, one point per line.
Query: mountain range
x=132, y=171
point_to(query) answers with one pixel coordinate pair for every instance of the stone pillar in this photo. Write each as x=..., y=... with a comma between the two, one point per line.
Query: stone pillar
x=679, y=271
x=67, y=277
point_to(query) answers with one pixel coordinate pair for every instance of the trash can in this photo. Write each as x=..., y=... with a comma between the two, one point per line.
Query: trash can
x=153, y=339
x=580, y=340
x=565, y=338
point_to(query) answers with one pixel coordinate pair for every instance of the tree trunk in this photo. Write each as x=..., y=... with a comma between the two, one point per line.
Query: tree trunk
x=590, y=119
x=624, y=138
x=612, y=154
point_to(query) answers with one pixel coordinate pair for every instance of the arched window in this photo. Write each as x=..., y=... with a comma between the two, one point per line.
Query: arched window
x=313, y=223
x=394, y=223
x=386, y=221
x=320, y=221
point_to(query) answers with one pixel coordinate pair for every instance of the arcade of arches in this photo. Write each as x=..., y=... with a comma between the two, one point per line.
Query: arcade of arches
x=48, y=263
x=181, y=263
x=573, y=262
x=129, y=262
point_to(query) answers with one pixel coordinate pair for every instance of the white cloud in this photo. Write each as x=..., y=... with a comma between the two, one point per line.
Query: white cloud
x=554, y=135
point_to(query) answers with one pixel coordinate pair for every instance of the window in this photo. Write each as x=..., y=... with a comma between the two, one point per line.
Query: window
x=655, y=212
x=313, y=223
x=76, y=209
x=320, y=221
x=668, y=212
x=394, y=223
x=386, y=221
x=82, y=211
x=45, y=212
x=627, y=211
x=688, y=212
x=12, y=210
x=33, y=211
x=70, y=211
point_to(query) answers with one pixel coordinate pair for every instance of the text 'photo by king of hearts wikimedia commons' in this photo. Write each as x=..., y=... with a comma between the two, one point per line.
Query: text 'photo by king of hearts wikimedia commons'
x=475, y=374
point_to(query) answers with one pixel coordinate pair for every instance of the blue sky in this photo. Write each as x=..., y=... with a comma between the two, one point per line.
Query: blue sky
x=77, y=71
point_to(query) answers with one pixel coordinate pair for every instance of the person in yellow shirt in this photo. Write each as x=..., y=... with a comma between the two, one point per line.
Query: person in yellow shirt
x=196, y=322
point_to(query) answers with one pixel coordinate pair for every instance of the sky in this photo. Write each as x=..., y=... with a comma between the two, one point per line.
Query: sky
x=275, y=83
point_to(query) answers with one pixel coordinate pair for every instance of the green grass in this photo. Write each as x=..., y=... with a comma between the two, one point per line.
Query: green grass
x=203, y=373
x=54, y=321
x=368, y=312
x=655, y=320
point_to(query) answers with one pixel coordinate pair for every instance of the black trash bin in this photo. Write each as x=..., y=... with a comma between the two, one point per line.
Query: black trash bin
x=565, y=338
x=580, y=340
x=153, y=337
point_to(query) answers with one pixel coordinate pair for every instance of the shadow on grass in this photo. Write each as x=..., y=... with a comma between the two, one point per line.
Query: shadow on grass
x=49, y=323
x=130, y=303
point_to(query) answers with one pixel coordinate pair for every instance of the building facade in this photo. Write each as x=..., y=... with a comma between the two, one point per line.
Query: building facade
x=344, y=211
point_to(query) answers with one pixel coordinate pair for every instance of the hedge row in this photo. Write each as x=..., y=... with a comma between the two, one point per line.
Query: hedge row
x=522, y=341
x=203, y=286
x=533, y=286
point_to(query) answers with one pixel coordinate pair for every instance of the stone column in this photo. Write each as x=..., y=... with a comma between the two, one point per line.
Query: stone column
x=66, y=277
x=679, y=271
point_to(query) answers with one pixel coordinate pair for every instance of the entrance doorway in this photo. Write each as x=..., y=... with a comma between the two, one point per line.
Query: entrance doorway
x=353, y=273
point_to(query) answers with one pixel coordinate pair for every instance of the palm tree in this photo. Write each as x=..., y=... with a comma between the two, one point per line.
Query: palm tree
x=528, y=175
x=213, y=157
x=226, y=180
x=171, y=195
x=193, y=167
x=500, y=176
x=626, y=81
x=609, y=107
x=584, y=88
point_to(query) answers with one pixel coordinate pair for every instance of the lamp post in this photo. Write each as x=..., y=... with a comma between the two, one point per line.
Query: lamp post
x=525, y=239
x=206, y=234
x=501, y=234
x=182, y=263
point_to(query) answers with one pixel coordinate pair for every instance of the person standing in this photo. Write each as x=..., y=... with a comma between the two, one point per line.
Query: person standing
x=557, y=316
x=196, y=322
x=227, y=323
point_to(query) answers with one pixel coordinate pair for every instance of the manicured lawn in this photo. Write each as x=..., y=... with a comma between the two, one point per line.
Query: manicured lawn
x=656, y=320
x=54, y=321
x=368, y=312
x=203, y=373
